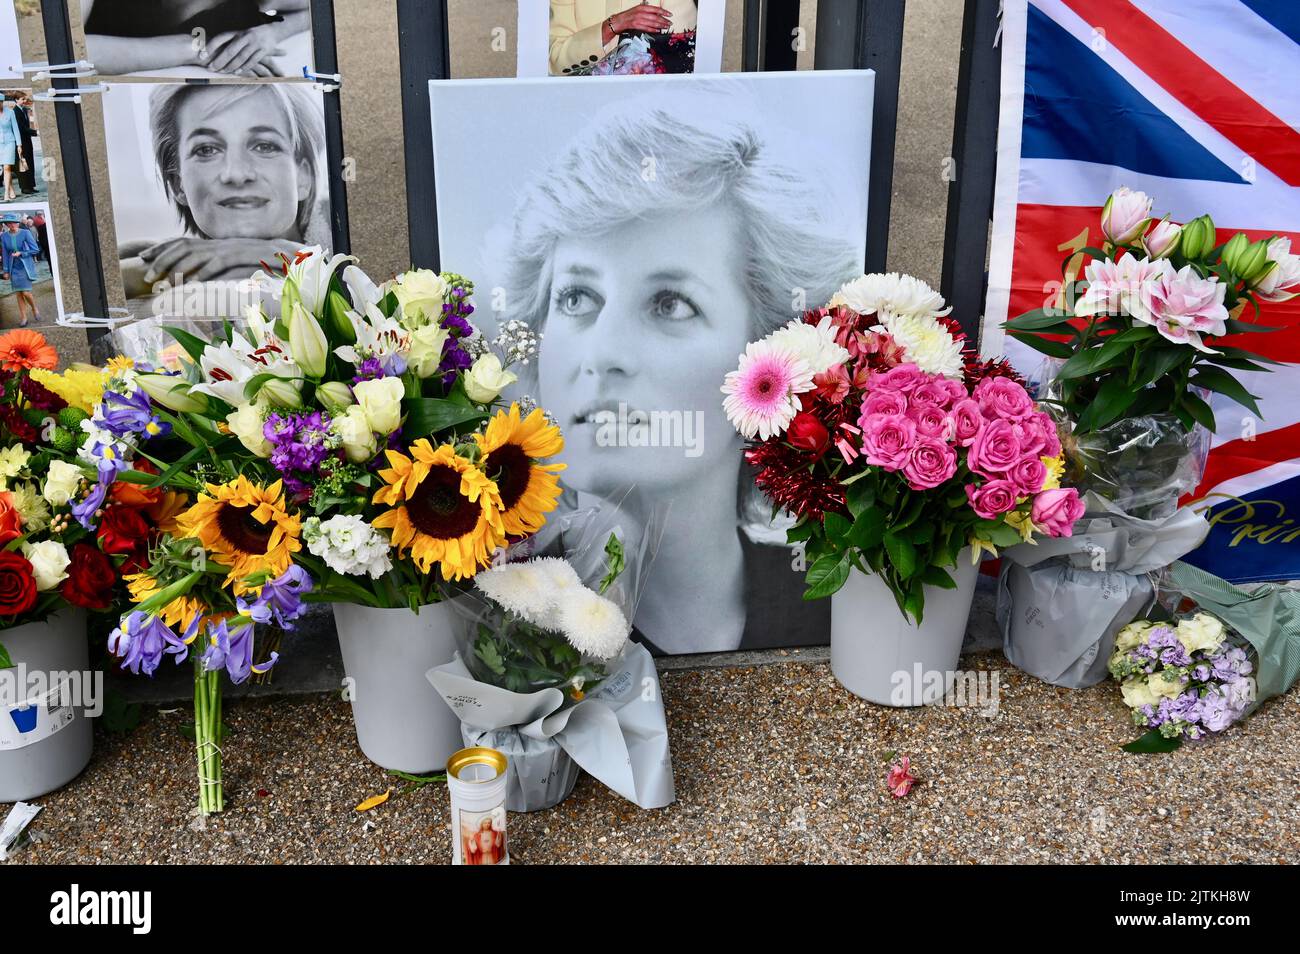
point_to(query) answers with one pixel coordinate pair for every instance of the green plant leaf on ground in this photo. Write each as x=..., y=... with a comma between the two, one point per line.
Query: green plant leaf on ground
x=1153, y=741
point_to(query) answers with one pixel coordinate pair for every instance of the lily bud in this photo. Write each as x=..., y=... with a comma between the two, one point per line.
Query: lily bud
x=337, y=322
x=334, y=396
x=1197, y=237
x=172, y=393
x=1162, y=240
x=1233, y=250
x=307, y=341
x=1125, y=215
x=281, y=392
x=1254, y=261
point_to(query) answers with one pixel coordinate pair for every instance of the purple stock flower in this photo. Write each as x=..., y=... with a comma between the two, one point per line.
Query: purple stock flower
x=1217, y=712
x=298, y=445
x=1187, y=707
x=141, y=639
x=233, y=651
x=372, y=368
x=1175, y=655
x=280, y=601
x=1162, y=637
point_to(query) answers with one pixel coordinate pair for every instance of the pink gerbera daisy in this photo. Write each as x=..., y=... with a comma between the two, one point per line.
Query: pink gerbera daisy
x=763, y=393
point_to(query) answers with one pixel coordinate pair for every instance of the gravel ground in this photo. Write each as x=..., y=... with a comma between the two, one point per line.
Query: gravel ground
x=773, y=763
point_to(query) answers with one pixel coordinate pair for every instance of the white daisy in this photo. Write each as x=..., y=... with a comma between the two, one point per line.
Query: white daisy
x=814, y=343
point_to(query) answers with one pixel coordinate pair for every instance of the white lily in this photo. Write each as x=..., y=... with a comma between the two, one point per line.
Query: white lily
x=363, y=290
x=378, y=336
x=310, y=271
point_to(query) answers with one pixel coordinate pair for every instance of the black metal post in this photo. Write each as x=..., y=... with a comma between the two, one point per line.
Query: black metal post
x=754, y=30
x=880, y=48
x=327, y=61
x=425, y=55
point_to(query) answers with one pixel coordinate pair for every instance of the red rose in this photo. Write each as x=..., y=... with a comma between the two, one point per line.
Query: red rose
x=17, y=584
x=11, y=522
x=124, y=530
x=91, y=578
x=808, y=434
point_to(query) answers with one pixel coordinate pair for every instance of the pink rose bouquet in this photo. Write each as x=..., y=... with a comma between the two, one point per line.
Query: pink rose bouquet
x=892, y=443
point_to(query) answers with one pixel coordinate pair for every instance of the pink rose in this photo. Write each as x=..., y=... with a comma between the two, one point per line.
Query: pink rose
x=1028, y=475
x=968, y=420
x=887, y=439
x=995, y=449
x=930, y=463
x=931, y=420
x=1002, y=398
x=884, y=402
x=1057, y=511
x=903, y=377
x=1037, y=436
x=995, y=497
x=938, y=392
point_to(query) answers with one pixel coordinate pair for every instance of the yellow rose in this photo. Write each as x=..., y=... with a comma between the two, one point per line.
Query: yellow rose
x=1166, y=684
x=1131, y=636
x=381, y=399
x=1137, y=692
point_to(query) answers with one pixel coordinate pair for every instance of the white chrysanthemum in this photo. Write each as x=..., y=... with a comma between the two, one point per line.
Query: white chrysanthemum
x=927, y=344
x=558, y=573
x=890, y=293
x=348, y=545
x=593, y=625
x=814, y=343
x=31, y=507
x=522, y=589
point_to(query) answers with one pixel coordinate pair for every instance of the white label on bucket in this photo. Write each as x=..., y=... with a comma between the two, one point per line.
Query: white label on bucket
x=36, y=719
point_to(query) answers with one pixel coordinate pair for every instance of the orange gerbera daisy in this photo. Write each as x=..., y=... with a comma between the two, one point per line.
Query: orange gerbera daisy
x=23, y=349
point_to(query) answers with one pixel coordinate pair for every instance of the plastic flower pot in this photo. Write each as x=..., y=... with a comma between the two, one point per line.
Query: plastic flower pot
x=42, y=746
x=402, y=723
x=883, y=656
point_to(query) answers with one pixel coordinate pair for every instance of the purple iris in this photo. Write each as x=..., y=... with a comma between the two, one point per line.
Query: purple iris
x=280, y=601
x=233, y=651
x=298, y=445
x=123, y=414
x=85, y=509
x=141, y=639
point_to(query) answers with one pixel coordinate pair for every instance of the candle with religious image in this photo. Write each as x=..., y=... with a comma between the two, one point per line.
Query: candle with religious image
x=476, y=779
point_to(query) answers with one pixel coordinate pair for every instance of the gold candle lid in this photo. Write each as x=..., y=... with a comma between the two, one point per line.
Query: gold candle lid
x=479, y=755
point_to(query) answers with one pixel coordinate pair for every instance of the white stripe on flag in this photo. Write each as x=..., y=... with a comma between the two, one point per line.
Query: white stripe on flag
x=1251, y=482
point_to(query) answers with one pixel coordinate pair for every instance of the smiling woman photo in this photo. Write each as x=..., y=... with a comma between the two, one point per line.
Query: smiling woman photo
x=647, y=252
x=240, y=167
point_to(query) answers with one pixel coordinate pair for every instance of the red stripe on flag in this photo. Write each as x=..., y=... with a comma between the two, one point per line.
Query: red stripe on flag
x=1235, y=458
x=1197, y=85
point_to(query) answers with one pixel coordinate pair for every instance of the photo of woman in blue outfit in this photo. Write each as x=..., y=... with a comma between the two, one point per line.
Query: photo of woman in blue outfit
x=19, y=251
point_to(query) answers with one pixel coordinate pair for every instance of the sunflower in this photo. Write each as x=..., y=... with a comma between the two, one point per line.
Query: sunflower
x=243, y=526
x=509, y=447
x=23, y=349
x=444, y=509
x=177, y=614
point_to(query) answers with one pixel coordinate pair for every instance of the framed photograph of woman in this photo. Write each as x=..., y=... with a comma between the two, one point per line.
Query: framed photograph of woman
x=620, y=37
x=648, y=229
x=198, y=38
x=208, y=182
x=29, y=268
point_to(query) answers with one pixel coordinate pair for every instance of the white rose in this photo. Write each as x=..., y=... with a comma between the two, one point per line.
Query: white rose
x=49, y=560
x=1202, y=631
x=61, y=482
x=420, y=291
x=1137, y=692
x=381, y=399
x=486, y=379
x=247, y=424
x=353, y=429
x=425, y=352
x=1131, y=636
x=1167, y=684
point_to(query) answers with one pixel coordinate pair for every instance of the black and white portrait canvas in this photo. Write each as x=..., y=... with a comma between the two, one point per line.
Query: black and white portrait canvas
x=648, y=229
x=198, y=38
x=208, y=182
x=620, y=37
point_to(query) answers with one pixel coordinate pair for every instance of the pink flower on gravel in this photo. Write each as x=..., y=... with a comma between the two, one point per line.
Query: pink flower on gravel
x=1057, y=511
x=994, y=498
x=931, y=462
x=995, y=449
x=931, y=421
x=1183, y=306
x=1029, y=474
x=900, y=779
x=887, y=439
x=1003, y=399
x=884, y=402
x=903, y=377
x=968, y=421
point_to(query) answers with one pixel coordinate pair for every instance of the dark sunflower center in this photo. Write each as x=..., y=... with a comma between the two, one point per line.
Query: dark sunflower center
x=509, y=466
x=437, y=507
x=242, y=530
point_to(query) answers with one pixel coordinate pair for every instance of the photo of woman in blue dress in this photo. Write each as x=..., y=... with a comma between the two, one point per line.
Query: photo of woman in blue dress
x=19, y=251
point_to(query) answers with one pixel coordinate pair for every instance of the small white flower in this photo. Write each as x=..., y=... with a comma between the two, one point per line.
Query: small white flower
x=814, y=343
x=593, y=625
x=927, y=344
x=348, y=545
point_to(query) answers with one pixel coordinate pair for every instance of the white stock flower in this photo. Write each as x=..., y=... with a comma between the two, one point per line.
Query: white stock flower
x=890, y=293
x=348, y=545
x=593, y=625
x=814, y=343
x=927, y=344
x=49, y=560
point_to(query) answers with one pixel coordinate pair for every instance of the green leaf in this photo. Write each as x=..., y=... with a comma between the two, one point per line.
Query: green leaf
x=868, y=529
x=1159, y=362
x=1199, y=410
x=119, y=714
x=1215, y=379
x=837, y=527
x=1041, y=320
x=194, y=346
x=425, y=416
x=826, y=576
x=1235, y=326
x=914, y=602
x=254, y=384
x=938, y=576
x=799, y=532
x=1005, y=536
x=1153, y=741
x=5, y=661
x=487, y=651
x=1053, y=349
x=1112, y=400
x=180, y=467
x=861, y=497
x=902, y=554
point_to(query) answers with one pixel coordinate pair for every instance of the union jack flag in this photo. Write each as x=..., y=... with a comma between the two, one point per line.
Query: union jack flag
x=1196, y=103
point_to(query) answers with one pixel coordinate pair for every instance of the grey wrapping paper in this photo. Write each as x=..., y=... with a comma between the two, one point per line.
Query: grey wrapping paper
x=1062, y=601
x=618, y=733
